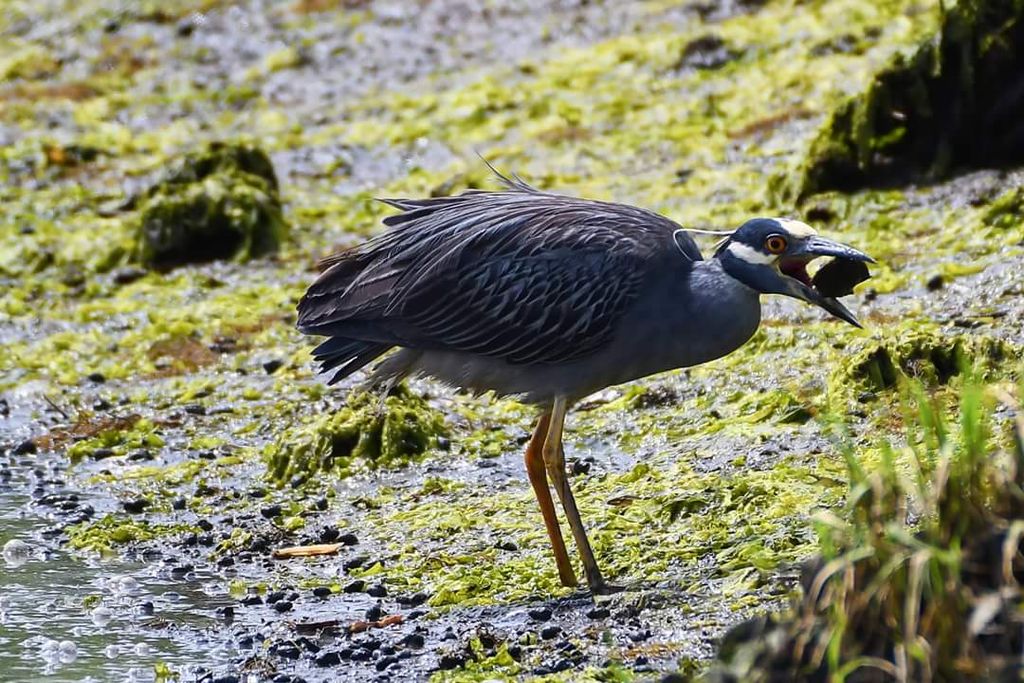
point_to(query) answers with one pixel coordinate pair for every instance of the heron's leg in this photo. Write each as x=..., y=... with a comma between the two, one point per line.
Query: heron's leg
x=554, y=460
x=539, y=481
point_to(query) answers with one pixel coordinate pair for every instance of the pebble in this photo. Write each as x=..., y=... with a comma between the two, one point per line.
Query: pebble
x=322, y=591
x=135, y=506
x=328, y=659
x=414, y=640
x=378, y=590
x=273, y=365
x=283, y=606
x=357, y=586
x=348, y=539
x=598, y=613
x=540, y=613
x=935, y=283
x=26, y=447
x=549, y=632
x=270, y=511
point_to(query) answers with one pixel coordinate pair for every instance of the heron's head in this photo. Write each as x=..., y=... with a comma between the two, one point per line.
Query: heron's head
x=771, y=255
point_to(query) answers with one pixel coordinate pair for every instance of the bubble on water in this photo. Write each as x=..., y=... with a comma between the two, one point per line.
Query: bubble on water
x=5, y=602
x=112, y=651
x=124, y=585
x=67, y=651
x=101, y=616
x=142, y=649
x=17, y=552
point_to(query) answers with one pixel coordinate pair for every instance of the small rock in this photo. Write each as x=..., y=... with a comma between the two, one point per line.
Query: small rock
x=377, y=590
x=272, y=366
x=135, y=506
x=283, y=606
x=935, y=283
x=328, y=659
x=275, y=596
x=348, y=539
x=549, y=632
x=414, y=640
x=329, y=534
x=322, y=591
x=96, y=377
x=598, y=613
x=374, y=613
x=179, y=503
x=128, y=275
x=271, y=511
x=357, y=586
x=26, y=447
x=101, y=453
x=540, y=613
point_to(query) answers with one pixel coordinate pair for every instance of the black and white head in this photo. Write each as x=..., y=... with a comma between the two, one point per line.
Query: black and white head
x=771, y=255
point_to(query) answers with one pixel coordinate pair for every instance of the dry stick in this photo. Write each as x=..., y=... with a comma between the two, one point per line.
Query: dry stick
x=306, y=551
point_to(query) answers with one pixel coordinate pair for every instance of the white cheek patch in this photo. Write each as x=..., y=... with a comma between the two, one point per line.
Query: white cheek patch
x=750, y=255
x=796, y=228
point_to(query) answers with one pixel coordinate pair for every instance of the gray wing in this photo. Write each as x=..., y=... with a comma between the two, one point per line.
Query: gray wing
x=522, y=275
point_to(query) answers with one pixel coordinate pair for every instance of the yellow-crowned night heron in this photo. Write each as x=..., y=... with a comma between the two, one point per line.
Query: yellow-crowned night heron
x=550, y=298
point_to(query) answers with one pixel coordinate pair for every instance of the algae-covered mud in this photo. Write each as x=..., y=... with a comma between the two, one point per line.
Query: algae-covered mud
x=171, y=173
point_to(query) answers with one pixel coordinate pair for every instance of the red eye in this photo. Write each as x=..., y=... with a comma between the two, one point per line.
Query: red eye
x=775, y=244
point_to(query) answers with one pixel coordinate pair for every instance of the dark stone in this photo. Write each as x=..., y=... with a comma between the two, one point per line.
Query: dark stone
x=356, y=562
x=205, y=525
x=450, y=661
x=385, y=662
x=288, y=652
x=598, y=613
x=26, y=447
x=935, y=283
x=540, y=613
x=413, y=600
x=275, y=596
x=195, y=409
x=374, y=613
x=549, y=632
x=102, y=453
x=179, y=503
x=283, y=606
x=128, y=275
x=96, y=377
x=357, y=586
x=706, y=52
x=272, y=366
x=251, y=600
x=378, y=590
x=326, y=659
x=322, y=591
x=271, y=511
x=414, y=640
x=348, y=539
x=329, y=534
x=135, y=506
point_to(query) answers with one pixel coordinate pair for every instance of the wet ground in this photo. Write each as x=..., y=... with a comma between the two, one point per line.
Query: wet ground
x=138, y=409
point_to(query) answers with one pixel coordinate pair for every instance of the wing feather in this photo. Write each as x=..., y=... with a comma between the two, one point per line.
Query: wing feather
x=521, y=275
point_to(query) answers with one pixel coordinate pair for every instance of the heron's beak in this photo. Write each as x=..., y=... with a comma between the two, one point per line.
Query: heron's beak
x=801, y=287
x=815, y=246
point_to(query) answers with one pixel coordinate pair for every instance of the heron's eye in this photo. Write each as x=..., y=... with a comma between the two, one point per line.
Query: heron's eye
x=775, y=244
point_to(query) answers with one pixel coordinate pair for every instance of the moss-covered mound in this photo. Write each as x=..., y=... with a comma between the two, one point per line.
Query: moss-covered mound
x=957, y=101
x=928, y=356
x=219, y=203
x=925, y=592
x=363, y=434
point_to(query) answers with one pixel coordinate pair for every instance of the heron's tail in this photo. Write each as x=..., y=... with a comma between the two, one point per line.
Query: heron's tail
x=347, y=355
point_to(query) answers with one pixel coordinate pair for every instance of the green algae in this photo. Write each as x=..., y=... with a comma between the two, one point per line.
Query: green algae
x=219, y=203
x=365, y=433
x=104, y=535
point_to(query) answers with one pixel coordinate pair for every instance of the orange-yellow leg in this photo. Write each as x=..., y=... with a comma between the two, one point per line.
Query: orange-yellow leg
x=554, y=459
x=538, y=479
